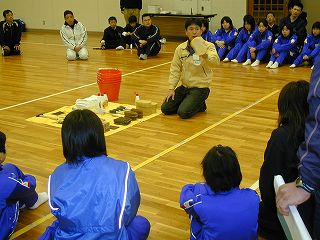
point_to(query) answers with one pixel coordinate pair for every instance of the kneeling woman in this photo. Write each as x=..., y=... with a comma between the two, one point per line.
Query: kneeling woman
x=92, y=195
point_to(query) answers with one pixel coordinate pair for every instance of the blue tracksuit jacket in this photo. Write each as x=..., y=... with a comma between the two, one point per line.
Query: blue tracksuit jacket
x=208, y=36
x=16, y=189
x=229, y=39
x=220, y=216
x=286, y=47
x=95, y=199
x=309, y=151
x=242, y=38
x=311, y=48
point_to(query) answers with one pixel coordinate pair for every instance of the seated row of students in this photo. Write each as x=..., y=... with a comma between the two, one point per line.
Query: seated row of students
x=255, y=43
x=218, y=208
x=145, y=37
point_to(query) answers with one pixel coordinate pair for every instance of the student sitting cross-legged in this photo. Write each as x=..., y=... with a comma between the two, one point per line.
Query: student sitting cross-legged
x=112, y=36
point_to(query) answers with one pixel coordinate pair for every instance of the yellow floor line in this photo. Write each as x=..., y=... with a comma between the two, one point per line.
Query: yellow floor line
x=30, y=226
x=150, y=160
x=201, y=132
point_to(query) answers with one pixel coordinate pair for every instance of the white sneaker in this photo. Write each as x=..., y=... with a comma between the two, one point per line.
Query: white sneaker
x=275, y=65
x=226, y=60
x=143, y=56
x=255, y=63
x=292, y=66
x=119, y=48
x=234, y=60
x=312, y=67
x=269, y=64
x=42, y=198
x=163, y=40
x=248, y=62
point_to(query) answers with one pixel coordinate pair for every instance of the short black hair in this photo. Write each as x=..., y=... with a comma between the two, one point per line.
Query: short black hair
x=66, y=12
x=264, y=22
x=221, y=169
x=293, y=109
x=82, y=136
x=250, y=20
x=5, y=12
x=315, y=25
x=146, y=15
x=270, y=13
x=293, y=3
x=205, y=23
x=3, y=139
x=112, y=18
x=132, y=19
x=192, y=21
x=228, y=20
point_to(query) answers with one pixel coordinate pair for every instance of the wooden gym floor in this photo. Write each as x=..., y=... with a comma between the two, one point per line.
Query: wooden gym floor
x=165, y=152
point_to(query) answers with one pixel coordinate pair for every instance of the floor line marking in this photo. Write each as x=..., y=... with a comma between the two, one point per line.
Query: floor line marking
x=202, y=132
x=76, y=88
x=94, y=48
x=31, y=226
x=135, y=168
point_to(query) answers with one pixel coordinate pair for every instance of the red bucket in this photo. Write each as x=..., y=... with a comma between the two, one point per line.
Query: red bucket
x=109, y=80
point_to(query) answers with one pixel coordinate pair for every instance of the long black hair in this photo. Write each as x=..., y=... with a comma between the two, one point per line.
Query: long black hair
x=293, y=109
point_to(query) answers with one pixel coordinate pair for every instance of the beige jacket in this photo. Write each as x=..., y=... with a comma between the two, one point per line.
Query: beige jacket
x=183, y=68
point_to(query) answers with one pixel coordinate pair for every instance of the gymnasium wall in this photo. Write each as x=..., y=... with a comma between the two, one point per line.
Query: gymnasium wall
x=48, y=14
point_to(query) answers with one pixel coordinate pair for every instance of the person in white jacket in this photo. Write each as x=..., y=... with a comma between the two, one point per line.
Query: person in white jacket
x=74, y=36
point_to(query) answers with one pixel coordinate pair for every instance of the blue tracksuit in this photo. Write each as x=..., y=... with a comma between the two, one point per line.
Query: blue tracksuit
x=286, y=48
x=309, y=151
x=261, y=41
x=242, y=38
x=16, y=189
x=97, y=198
x=208, y=36
x=311, y=48
x=229, y=39
x=220, y=216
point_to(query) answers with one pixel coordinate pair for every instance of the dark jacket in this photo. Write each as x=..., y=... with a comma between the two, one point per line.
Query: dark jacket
x=275, y=31
x=131, y=4
x=151, y=34
x=280, y=158
x=113, y=37
x=10, y=35
x=299, y=27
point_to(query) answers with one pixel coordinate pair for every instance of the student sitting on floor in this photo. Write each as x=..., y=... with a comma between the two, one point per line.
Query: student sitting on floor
x=259, y=44
x=280, y=158
x=146, y=38
x=311, y=48
x=112, y=36
x=74, y=36
x=272, y=26
x=10, y=34
x=206, y=33
x=17, y=191
x=225, y=37
x=249, y=26
x=284, y=48
x=129, y=29
x=218, y=208
x=93, y=196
